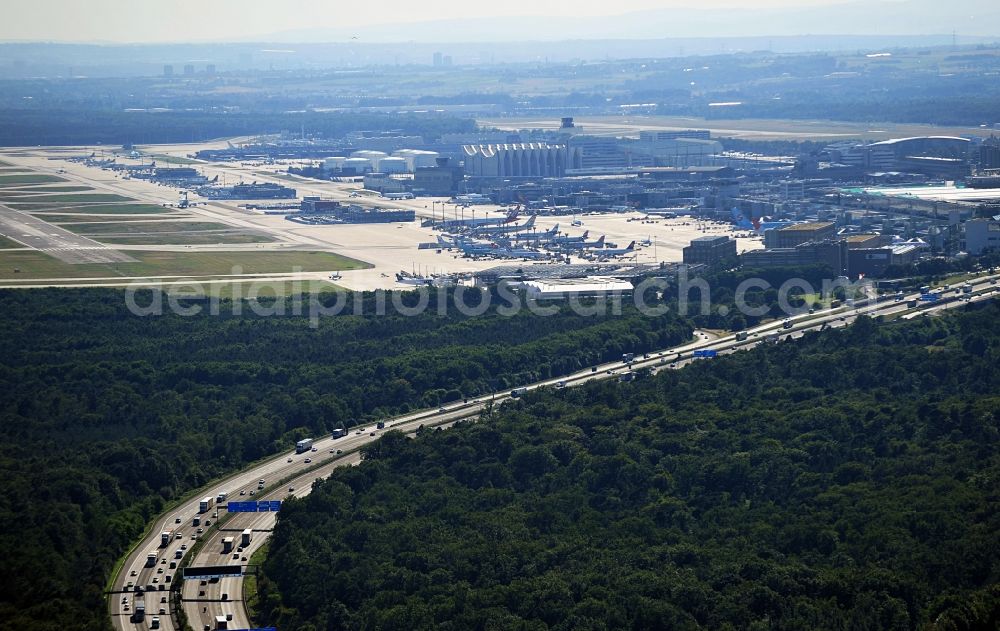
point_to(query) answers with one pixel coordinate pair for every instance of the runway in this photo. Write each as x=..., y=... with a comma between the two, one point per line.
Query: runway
x=55, y=241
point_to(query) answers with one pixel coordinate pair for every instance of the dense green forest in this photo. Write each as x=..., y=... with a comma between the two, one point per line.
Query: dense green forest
x=83, y=125
x=106, y=416
x=844, y=481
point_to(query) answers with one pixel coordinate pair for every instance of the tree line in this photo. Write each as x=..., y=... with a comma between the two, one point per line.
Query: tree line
x=843, y=481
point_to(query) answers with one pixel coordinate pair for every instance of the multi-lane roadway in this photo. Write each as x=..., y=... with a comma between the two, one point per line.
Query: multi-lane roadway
x=289, y=474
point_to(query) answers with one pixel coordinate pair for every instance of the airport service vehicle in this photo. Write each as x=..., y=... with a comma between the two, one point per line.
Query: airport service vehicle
x=303, y=445
x=165, y=538
x=205, y=504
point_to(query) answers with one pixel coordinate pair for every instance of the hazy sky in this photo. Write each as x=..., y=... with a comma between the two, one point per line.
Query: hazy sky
x=188, y=20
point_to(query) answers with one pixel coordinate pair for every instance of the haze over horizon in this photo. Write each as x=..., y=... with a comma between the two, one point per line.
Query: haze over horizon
x=120, y=21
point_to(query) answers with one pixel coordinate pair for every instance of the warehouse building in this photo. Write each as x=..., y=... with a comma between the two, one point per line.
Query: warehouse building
x=710, y=250
x=797, y=234
x=830, y=253
x=590, y=287
x=523, y=159
x=982, y=235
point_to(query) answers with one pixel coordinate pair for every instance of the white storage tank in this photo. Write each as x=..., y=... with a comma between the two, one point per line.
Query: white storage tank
x=360, y=165
x=392, y=165
x=416, y=158
x=334, y=163
x=374, y=156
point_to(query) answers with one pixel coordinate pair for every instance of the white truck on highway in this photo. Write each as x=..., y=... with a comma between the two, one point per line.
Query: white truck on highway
x=151, y=559
x=246, y=537
x=303, y=445
x=227, y=545
x=165, y=538
x=205, y=504
x=221, y=497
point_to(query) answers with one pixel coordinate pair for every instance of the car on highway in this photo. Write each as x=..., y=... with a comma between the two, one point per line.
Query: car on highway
x=372, y=434
x=243, y=491
x=251, y=492
x=201, y=530
x=308, y=460
x=177, y=521
x=314, y=449
x=184, y=546
x=339, y=451
x=291, y=489
x=133, y=573
x=163, y=599
x=289, y=460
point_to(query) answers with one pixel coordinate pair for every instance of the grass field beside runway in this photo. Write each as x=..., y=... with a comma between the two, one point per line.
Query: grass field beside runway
x=102, y=209
x=191, y=238
x=143, y=227
x=109, y=218
x=67, y=198
x=34, y=264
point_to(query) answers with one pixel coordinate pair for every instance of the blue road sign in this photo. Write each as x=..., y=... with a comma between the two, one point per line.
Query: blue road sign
x=275, y=506
x=706, y=353
x=242, y=507
x=930, y=297
x=212, y=571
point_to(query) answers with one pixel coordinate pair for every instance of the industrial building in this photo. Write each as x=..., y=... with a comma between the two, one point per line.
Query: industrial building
x=439, y=180
x=317, y=211
x=982, y=235
x=265, y=190
x=833, y=254
x=874, y=261
x=710, y=250
x=384, y=183
x=525, y=159
x=177, y=176
x=589, y=287
x=796, y=234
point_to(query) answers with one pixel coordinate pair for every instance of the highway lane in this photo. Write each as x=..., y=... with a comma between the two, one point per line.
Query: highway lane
x=279, y=467
x=800, y=325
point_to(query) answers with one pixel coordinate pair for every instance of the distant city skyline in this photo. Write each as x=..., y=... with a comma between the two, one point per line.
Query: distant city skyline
x=128, y=21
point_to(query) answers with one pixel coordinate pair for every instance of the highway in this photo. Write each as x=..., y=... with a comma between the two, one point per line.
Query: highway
x=288, y=470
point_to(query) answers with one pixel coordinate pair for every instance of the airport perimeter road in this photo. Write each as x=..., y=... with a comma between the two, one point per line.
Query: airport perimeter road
x=290, y=469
